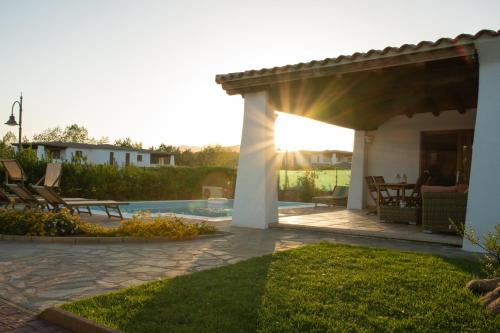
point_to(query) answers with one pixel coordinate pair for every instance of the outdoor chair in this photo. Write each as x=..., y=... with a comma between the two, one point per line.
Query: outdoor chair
x=80, y=206
x=415, y=198
x=373, y=192
x=337, y=198
x=13, y=171
x=385, y=195
x=52, y=177
x=26, y=197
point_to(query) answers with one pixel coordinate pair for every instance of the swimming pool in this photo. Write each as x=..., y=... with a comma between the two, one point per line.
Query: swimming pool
x=196, y=209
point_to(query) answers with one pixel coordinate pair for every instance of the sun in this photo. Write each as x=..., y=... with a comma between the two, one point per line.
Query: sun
x=294, y=133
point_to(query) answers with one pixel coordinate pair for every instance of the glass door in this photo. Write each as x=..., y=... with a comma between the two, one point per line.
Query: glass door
x=446, y=155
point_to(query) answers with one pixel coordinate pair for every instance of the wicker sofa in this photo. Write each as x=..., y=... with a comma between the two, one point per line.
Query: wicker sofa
x=438, y=208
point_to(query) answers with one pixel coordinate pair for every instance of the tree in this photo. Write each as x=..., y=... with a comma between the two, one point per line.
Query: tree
x=75, y=133
x=50, y=134
x=170, y=149
x=9, y=138
x=217, y=156
x=72, y=133
x=6, y=149
x=128, y=143
x=102, y=140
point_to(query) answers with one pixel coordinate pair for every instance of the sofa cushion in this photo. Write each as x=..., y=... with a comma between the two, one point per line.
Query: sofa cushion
x=463, y=188
x=438, y=189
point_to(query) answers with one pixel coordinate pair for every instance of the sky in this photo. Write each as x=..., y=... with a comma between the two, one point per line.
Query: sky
x=146, y=69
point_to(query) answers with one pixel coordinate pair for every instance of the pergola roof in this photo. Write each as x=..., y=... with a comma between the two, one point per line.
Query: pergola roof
x=363, y=90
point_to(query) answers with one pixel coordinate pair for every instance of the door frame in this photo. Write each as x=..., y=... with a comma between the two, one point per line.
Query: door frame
x=460, y=134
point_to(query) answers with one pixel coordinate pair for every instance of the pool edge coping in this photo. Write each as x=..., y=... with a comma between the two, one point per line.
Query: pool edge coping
x=199, y=217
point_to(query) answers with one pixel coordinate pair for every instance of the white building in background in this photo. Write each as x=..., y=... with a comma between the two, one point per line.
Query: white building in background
x=100, y=154
x=304, y=159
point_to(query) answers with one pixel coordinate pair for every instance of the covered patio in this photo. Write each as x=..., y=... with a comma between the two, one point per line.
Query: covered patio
x=390, y=97
x=357, y=223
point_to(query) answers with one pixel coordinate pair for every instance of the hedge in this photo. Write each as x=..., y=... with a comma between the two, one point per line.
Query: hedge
x=131, y=183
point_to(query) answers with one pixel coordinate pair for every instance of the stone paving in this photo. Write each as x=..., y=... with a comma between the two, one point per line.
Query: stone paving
x=38, y=275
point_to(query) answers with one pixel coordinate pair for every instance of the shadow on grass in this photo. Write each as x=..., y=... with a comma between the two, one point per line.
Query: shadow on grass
x=225, y=299
x=318, y=288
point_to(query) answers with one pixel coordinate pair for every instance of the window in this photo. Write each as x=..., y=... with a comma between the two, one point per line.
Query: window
x=111, y=158
x=139, y=158
x=55, y=154
x=127, y=159
x=78, y=154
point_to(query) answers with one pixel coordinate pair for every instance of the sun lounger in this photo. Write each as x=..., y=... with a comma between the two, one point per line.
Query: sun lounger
x=80, y=206
x=5, y=199
x=13, y=171
x=52, y=177
x=26, y=197
x=337, y=198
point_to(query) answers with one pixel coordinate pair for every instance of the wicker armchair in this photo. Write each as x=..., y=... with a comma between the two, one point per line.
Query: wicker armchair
x=438, y=208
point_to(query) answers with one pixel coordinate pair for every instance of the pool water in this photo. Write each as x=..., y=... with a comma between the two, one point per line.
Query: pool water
x=194, y=208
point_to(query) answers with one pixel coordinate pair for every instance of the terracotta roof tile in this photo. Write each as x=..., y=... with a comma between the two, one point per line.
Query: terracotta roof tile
x=461, y=39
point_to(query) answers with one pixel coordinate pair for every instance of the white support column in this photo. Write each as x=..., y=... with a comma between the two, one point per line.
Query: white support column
x=484, y=192
x=356, y=193
x=255, y=203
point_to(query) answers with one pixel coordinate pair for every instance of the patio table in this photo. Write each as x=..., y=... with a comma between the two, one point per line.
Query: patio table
x=400, y=189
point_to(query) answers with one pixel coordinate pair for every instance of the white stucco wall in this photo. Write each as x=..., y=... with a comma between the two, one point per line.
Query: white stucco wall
x=255, y=203
x=395, y=146
x=484, y=192
x=40, y=152
x=99, y=156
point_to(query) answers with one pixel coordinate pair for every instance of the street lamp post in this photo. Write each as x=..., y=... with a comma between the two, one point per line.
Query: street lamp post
x=12, y=120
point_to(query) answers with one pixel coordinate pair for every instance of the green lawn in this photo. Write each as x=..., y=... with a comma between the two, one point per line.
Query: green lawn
x=317, y=288
x=325, y=178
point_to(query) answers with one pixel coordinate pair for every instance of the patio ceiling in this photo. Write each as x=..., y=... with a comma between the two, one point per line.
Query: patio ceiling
x=362, y=91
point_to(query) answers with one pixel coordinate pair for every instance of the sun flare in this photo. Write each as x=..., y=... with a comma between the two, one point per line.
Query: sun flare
x=298, y=133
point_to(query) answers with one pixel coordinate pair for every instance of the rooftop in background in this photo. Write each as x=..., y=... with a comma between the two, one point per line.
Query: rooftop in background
x=59, y=144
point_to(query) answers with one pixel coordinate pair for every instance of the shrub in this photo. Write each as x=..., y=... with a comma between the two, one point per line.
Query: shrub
x=144, y=225
x=38, y=223
x=490, y=244
x=306, y=186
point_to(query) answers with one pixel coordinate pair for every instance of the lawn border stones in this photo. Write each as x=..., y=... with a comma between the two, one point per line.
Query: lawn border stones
x=73, y=322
